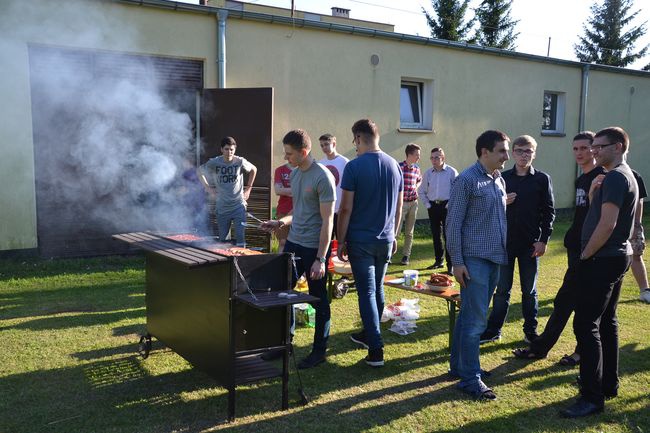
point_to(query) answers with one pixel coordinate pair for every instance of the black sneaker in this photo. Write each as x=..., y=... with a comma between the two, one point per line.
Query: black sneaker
x=312, y=360
x=488, y=337
x=405, y=260
x=375, y=358
x=360, y=339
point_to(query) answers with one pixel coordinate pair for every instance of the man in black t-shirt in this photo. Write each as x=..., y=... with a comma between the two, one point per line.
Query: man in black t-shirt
x=604, y=260
x=638, y=243
x=565, y=300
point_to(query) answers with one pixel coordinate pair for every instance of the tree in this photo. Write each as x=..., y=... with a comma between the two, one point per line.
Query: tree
x=605, y=42
x=496, y=27
x=449, y=20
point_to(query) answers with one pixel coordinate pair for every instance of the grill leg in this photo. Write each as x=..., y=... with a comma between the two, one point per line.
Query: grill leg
x=231, y=404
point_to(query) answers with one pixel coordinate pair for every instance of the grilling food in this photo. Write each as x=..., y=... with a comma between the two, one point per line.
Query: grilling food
x=234, y=251
x=185, y=237
x=440, y=280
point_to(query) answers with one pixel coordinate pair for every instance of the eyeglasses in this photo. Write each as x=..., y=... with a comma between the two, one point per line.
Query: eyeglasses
x=436, y=157
x=523, y=151
x=599, y=147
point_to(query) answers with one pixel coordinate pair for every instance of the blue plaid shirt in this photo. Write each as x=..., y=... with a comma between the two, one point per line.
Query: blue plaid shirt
x=476, y=217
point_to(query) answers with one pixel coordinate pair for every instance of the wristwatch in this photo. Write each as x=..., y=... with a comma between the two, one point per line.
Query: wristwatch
x=321, y=259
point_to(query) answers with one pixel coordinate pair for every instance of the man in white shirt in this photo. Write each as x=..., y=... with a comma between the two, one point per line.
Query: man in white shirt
x=335, y=163
x=434, y=193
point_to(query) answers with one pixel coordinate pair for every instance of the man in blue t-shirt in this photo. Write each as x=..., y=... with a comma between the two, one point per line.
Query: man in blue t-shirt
x=369, y=217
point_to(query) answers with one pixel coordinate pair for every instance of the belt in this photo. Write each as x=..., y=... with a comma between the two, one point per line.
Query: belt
x=439, y=201
x=409, y=201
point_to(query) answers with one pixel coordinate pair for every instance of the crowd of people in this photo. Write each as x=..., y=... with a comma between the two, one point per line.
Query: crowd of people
x=483, y=220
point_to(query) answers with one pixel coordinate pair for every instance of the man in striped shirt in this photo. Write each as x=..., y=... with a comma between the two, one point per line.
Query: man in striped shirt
x=476, y=240
x=412, y=181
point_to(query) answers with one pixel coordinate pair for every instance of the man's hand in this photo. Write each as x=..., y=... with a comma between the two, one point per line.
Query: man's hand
x=539, y=248
x=595, y=184
x=394, y=249
x=461, y=275
x=510, y=198
x=247, y=192
x=342, y=252
x=317, y=270
x=270, y=226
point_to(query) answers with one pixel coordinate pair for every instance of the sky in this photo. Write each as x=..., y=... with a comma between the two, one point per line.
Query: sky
x=539, y=20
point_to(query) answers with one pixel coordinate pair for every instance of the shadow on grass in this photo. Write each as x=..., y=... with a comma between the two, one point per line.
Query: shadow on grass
x=120, y=294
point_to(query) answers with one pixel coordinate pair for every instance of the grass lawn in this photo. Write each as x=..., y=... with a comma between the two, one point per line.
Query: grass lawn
x=68, y=363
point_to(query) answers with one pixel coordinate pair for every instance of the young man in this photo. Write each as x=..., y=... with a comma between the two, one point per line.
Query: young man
x=530, y=223
x=336, y=164
x=226, y=173
x=313, y=193
x=604, y=259
x=434, y=193
x=282, y=187
x=566, y=297
x=476, y=240
x=638, y=243
x=368, y=220
x=412, y=181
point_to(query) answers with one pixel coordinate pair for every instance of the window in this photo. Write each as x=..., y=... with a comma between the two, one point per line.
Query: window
x=553, y=113
x=415, y=104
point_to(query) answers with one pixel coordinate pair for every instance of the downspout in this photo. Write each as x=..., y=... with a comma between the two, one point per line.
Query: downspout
x=584, y=93
x=222, y=16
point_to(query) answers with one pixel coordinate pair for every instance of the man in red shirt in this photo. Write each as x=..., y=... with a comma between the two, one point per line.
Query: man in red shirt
x=412, y=181
x=282, y=186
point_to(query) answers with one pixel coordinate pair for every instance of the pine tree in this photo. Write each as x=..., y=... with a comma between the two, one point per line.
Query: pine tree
x=448, y=20
x=496, y=27
x=605, y=42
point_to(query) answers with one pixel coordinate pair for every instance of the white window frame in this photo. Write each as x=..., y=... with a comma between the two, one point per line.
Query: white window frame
x=423, y=106
x=560, y=109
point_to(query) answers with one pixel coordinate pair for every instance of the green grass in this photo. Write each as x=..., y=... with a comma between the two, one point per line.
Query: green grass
x=68, y=363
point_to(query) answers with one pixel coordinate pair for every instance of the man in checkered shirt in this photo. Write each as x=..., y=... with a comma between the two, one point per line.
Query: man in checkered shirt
x=476, y=240
x=412, y=181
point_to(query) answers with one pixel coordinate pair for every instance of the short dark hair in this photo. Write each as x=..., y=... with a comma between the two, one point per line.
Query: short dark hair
x=365, y=127
x=488, y=140
x=411, y=148
x=228, y=141
x=616, y=134
x=437, y=149
x=584, y=135
x=298, y=139
x=327, y=137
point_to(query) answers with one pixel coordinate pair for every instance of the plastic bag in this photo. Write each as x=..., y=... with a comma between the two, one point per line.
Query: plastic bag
x=403, y=313
x=304, y=314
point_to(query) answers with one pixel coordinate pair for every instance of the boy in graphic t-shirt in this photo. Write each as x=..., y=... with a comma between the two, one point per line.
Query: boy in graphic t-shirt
x=225, y=174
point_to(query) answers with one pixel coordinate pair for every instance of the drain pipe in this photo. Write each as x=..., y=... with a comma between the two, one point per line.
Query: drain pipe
x=222, y=15
x=584, y=93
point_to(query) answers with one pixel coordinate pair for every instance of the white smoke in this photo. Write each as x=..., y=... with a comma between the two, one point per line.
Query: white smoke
x=111, y=148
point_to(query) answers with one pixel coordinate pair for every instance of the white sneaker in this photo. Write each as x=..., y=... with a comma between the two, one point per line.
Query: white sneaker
x=645, y=296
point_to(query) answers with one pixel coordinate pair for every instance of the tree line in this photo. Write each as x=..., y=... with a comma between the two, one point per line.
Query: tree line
x=608, y=37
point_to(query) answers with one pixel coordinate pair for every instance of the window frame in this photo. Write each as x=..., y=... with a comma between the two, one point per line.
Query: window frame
x=556, y=111
x=422, y=107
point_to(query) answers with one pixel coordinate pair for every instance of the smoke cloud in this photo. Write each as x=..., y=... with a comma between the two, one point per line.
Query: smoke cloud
x=110, y=149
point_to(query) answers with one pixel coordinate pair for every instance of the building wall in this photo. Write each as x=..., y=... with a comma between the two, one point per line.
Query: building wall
x=323, y=82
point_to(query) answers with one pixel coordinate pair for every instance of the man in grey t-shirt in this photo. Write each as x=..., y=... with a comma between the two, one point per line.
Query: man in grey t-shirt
x=604, y=260
x=311, y=220
x=225, y=174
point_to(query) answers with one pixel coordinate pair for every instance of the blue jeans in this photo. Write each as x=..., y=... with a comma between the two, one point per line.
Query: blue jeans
x=305, y=257
x=236, y=216
x=369, y=262
x=471, y=321
x=528, y=279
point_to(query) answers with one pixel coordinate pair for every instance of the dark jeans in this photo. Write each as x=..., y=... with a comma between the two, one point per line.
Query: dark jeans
x=304, y=259
x=369, y=262
x=563, y=305
x=501, y=302
x=596, y=326
x=437, y=216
